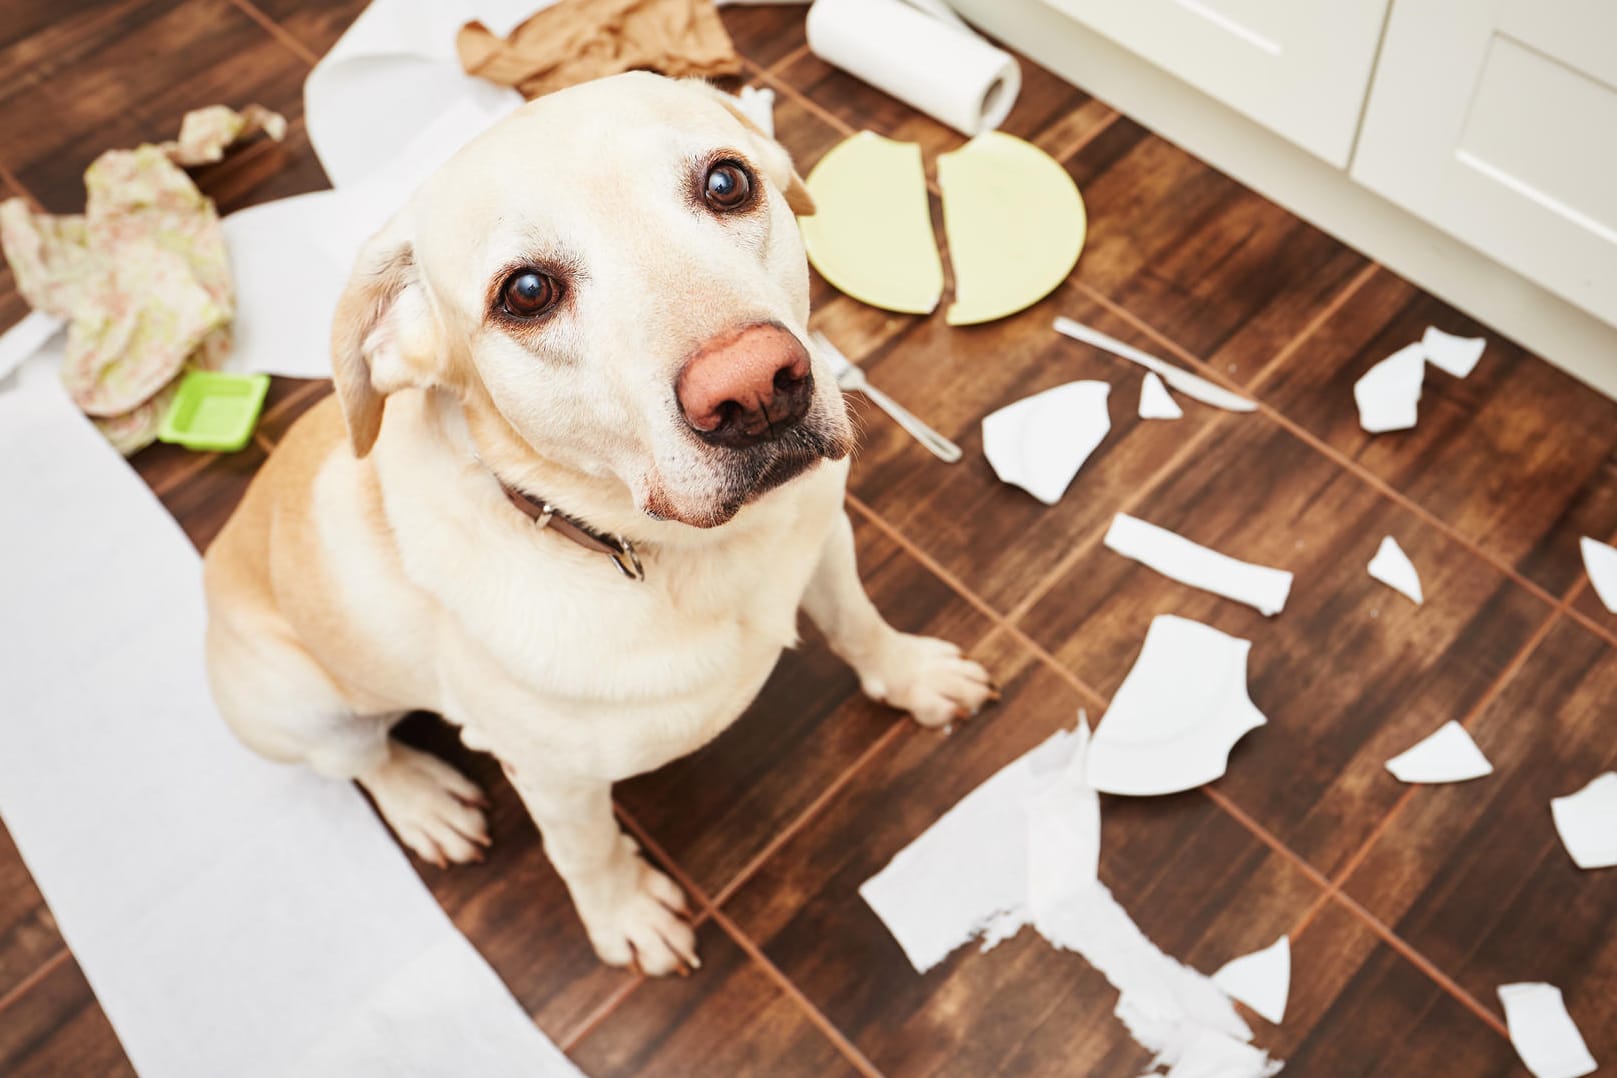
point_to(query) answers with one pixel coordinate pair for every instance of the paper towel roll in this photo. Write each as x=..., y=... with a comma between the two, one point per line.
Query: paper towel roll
x=945, y=71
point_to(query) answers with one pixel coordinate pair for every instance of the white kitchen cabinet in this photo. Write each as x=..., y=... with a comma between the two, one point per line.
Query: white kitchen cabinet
x=1496, y=120
x=1299, y=68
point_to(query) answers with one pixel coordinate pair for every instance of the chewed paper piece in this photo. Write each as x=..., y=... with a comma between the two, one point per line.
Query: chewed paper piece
x=1261, y=980
x=1176, y=716
x=1191, y=385
x=1023, y=849
x=1388, y=394
x=1393, y=568
x=1155, y=401
x=970, y=872
x=1449, y=755
x=871, y=234
x=1600, y=562
x=1544, y=1034
x=1456, y=355
x=1015, y=222
x=1040, y=442
x=759, y=105
x=1587, y=822
x=1172, y=555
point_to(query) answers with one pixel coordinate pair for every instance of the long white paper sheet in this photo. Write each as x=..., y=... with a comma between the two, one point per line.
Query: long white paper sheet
x=1173, y=555
x=1544, y=1034
x=233, y=916
x=1023, y=848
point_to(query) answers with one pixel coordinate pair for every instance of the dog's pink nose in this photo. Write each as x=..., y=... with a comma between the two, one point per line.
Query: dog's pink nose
x=747, y=386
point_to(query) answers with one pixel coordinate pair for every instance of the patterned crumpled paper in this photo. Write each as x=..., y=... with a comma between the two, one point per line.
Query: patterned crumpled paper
x=142, y=276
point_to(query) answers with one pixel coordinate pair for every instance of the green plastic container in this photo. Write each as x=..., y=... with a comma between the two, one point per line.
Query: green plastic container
x=215, y=412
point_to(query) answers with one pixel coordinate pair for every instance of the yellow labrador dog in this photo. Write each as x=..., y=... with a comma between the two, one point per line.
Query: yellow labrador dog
x=585, y=472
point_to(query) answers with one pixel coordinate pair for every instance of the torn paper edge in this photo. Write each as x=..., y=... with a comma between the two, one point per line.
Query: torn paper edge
x=1261, y=980
x=1155, y=401
x=1542, y=1031
x=1600, y=562
x=1258, y=586
x=1448, y=755
x=1388, y=394
x=1393, y=568
x=1178, y=714
x=1587, y=822
x=1447, y=352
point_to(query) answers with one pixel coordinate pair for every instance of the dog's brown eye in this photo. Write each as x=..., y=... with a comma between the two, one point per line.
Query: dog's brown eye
x=528, y=293
x=728, y=186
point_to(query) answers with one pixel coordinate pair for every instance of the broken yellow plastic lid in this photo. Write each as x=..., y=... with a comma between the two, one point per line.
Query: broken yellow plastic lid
x=1016, y=226
x=871, y=236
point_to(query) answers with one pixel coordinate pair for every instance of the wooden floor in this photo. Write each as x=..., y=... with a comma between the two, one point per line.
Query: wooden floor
x=1406, y=906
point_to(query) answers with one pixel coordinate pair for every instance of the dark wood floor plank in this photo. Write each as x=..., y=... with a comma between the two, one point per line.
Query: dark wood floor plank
x=99, y=89
x=714, y=811
x=58, y=1029
x=1475, y=876
x=1198, y=884
x=765, y=34
x=729, y=1018
x=998, y=539
x=1216, y=268
x=317, y=24
x=28, y=935
x=1519, y=458
x=1350, y=674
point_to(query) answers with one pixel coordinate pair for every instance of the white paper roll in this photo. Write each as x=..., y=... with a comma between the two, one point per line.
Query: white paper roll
x=942, y=69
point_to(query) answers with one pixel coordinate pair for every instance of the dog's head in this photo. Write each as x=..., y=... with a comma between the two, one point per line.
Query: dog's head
x=613, y=276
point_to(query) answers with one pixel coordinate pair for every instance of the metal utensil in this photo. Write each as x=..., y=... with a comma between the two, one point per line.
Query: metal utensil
x=1191, y=385
x=851, y=378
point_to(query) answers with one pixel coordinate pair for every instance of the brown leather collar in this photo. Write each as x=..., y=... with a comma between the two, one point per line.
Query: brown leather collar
x=545, y=515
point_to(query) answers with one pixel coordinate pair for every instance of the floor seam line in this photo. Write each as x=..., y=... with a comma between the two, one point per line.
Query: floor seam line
x=593, y=1020
x=1342, y=298
x=35, y=976
x=808, y=103
x=275, y=30
x=1101, y=127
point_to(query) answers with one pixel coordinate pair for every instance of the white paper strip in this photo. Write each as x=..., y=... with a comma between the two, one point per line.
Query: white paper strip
x=1544, y=1034
x=1176, y=716
x=233, y=916
x=1191, y=385
x=1261, y=980
x=1393, y=568
x=1040, y=442
x=1173, y=555
x=1449, y=755
x=1388, y=394
x=1587, y=822
x=1155, y=403
x=1600, y=562
x=1456, y=355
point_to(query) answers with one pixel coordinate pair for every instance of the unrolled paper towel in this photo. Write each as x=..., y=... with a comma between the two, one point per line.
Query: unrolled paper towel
x=935, y=65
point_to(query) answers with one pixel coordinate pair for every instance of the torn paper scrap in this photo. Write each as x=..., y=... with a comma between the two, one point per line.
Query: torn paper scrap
x=1191, y=385
x=871, y=233
x=1389, y=392
x=1449, y=755
x=1587, y=822
x=1456, y=355
x=1040, y=442
x=1155, y=402
x=1261, y=980
x=1393, y=568
x=1176, y=716
x=970, y=871
x=1600, y=562
x=1016, y=225
x=1172, y=555
x=141, y=277
x=1544, y=1034
x=758, y=103
x=580, y=40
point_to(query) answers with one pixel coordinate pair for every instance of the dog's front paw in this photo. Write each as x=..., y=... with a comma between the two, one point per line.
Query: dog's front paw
x=929, y=678
x=644, y=925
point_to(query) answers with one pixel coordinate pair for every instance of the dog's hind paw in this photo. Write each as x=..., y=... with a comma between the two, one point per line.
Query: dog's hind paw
x=929, y=678
x=434, y=809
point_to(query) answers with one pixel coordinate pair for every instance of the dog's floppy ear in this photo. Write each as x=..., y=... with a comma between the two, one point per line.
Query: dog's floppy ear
x=776, y=161
x=382, y=337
